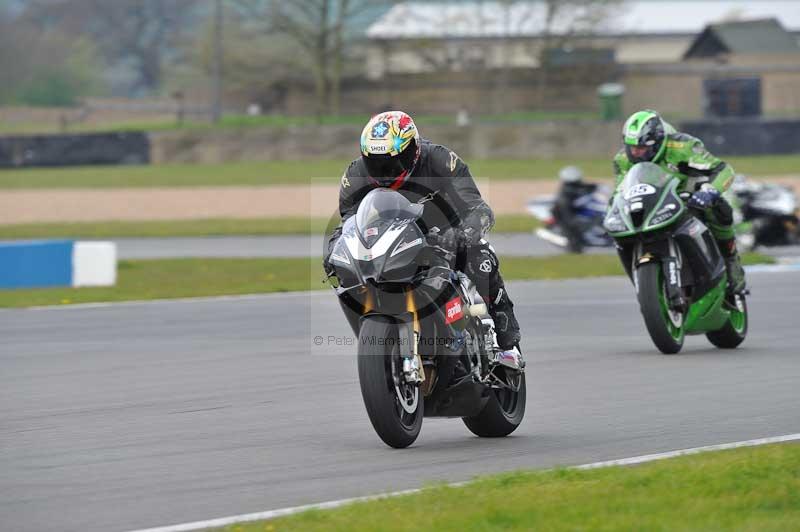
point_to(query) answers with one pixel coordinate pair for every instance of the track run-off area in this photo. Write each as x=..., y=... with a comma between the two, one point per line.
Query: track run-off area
x=135, y=415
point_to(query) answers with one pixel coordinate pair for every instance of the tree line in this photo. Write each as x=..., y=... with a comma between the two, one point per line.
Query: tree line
x=55, y=52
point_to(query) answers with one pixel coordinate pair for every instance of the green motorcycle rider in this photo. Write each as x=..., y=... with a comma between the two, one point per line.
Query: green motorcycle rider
x=649, y=138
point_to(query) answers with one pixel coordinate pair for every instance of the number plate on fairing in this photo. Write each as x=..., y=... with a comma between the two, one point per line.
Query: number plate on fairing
x=642, y=189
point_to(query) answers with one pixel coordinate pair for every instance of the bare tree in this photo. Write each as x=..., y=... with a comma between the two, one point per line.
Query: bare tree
x=142, y=33
x=322, y=30
x=56, y=68
x=565, y=22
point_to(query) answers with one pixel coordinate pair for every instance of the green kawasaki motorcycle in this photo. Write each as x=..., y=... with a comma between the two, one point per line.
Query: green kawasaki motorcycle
x=674, y=263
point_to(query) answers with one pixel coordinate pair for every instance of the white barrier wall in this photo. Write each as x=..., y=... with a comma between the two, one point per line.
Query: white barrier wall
x=94, y=264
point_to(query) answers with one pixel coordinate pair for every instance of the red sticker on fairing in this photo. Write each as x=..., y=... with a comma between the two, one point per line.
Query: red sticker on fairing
x=453, y=310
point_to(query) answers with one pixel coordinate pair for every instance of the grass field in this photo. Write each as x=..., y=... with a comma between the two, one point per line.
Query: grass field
x=232, y=121
x=511, y=223
x=753, y=489
x=287, y=172
x=175, y=278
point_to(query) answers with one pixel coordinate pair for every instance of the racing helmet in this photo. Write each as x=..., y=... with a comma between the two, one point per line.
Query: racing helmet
x=644, y=137
x=390, y=148
x=570, y=174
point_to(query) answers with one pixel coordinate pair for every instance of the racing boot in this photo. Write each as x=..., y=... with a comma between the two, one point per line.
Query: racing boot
x=736, y=280
x=510, y=358
x=506, y=326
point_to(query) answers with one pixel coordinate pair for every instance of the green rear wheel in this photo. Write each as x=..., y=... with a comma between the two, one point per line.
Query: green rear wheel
x=734, y=331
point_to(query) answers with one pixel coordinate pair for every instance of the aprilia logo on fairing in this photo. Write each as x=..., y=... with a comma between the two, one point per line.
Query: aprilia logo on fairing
x=453, y=310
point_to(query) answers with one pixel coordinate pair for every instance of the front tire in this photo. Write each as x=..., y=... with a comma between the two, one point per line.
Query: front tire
x=735, y=330
x=502, y=414
x=380, y=375
x=665, y=326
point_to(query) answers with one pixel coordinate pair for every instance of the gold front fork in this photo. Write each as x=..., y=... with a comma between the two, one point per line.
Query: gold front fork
x=412, y=308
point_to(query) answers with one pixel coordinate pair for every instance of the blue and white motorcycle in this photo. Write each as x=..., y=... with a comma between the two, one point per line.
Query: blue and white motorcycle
x=590, y=209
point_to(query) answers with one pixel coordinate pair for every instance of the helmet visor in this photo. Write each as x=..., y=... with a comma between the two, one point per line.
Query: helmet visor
x=641, y=153
x=385, y=167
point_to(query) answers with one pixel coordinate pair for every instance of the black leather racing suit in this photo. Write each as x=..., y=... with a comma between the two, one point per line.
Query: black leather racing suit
x=453, y=202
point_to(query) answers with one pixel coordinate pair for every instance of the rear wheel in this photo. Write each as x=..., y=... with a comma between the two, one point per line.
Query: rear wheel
x=395, y=408
x=502, y=414
x=735, y=329
x=664, y=324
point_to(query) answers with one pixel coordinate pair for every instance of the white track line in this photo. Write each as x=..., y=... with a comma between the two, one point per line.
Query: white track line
x=175, y=300
x=272, y=514
x=694, y=450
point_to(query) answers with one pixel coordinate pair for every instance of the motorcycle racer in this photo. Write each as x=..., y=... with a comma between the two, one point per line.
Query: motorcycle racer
x=394, y=155
x=649, y=138
x=573, y=188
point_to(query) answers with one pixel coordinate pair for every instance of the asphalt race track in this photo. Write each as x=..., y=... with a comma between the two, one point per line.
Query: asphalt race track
x=513, y=244
x=135, y=415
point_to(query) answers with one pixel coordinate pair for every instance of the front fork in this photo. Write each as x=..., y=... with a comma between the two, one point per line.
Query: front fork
x=409, y=345
x=672, y=276
x=671, y=271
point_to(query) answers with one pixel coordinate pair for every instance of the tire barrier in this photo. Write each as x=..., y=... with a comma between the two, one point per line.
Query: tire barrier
x=75, y=149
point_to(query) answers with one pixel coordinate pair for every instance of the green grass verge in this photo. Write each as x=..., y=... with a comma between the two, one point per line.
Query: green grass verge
x=168, y=228
x=754, y=488
x=304, y=172
x=208, y=227
x=175, y=278
x=577, y=266
x=236, y=122
x=240, y=122
x=174, y=175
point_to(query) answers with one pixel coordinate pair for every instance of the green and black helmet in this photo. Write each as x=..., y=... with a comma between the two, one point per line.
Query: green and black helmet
x=644, y=137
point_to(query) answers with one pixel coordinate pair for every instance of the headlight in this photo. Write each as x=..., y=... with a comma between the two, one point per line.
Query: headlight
x=614, y=224
x=339, y=254
x=405, y=245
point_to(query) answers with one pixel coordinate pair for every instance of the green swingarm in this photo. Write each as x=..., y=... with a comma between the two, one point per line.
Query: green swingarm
x=674, y=263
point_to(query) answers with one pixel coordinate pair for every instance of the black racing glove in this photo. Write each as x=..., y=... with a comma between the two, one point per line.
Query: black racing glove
x=705, y=198
x=475, y=224
x=449, y=239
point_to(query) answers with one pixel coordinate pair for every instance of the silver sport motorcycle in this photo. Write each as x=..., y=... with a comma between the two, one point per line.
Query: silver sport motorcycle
x=426, y=343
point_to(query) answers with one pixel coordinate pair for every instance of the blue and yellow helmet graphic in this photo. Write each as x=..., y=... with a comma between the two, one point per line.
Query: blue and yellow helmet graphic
x=388, y=133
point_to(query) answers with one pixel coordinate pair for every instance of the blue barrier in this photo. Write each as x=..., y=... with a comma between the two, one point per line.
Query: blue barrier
x=35, y=264
x=47, y=263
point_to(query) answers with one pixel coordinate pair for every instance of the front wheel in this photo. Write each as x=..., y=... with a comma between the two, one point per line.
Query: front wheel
x=734, y=331
x=395, y=408
x=502, y=414
x=664, y=324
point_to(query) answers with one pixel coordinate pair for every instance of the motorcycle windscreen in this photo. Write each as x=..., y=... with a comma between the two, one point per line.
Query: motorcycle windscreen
x=640, y=193
x=379, y=210
x=648, y=174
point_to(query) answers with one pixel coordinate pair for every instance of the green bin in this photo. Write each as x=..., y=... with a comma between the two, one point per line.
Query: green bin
x=611, y=100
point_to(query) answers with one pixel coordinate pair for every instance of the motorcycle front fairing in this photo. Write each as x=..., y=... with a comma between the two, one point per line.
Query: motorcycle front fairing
x=380, y=242
x=378, y=260
x=647, y=200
